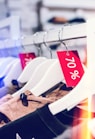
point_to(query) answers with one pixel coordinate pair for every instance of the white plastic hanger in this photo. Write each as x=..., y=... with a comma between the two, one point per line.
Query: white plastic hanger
x=7, y=67
x=36, y=76
x=86, y=86
x=2, y=60
x=29, y=69
x=14, y=72
x=52, y=77
x=4, y=64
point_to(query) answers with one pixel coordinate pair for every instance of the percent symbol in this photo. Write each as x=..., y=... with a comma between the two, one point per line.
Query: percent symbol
x=75, y=74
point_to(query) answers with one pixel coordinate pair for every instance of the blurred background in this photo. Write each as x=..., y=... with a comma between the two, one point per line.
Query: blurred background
x=30, y=16
x=37, y=15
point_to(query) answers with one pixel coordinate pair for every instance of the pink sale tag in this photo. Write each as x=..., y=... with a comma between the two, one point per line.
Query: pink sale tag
x=71, y=66
x=25, y=58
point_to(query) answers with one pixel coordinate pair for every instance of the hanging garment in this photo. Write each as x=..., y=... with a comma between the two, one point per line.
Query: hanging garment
x=19, y=106
x=26, y=103
x=17, y=117
x=40, y=124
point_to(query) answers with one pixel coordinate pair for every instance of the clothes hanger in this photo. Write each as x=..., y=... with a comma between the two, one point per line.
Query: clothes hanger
x=14, y=72
x=4, y=64
x=32, y=65
x=86, y=86
x=36, y=76
x=52, y=77
x=78, y=94
x=8, y=67
x=47, y=82
x=29, y=69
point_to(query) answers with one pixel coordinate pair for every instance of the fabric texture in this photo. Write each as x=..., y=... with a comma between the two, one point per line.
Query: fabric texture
x=17, y=107
x=26, y=103
x=5, y=98
x=40, y=124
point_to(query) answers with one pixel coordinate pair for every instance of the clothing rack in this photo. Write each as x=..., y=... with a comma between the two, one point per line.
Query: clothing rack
x=79, y=4
x=67, y=32
x=41, y=116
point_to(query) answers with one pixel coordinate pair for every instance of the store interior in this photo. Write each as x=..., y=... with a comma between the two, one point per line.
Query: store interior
x=47, y=69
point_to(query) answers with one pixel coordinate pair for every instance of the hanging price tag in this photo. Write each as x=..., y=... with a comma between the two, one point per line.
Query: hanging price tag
x=71, y=66
x=25, y=58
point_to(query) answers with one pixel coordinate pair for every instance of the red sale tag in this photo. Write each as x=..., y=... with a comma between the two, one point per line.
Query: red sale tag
x=71, y=66
x=25, y=58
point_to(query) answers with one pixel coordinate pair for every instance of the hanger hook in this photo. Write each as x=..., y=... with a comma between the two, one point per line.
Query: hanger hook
x=60, y=34
x=37, y=46
x=44, y=42
x=22, y=46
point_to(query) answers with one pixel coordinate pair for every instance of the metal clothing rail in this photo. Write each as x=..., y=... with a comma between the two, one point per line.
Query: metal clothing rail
x=67, y=32
x=79, y=4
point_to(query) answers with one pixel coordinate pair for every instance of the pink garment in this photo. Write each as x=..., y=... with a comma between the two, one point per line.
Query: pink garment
x=14, y=108
x=5, y=98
